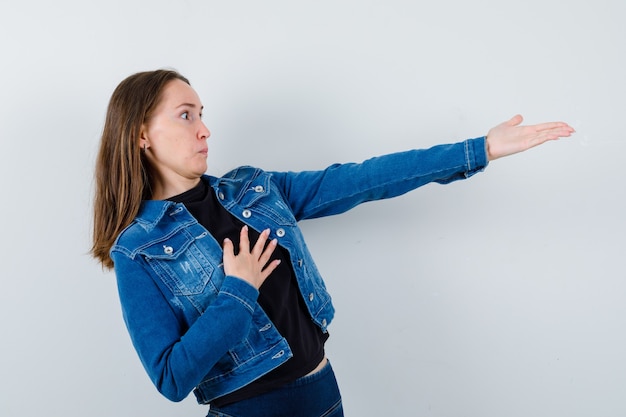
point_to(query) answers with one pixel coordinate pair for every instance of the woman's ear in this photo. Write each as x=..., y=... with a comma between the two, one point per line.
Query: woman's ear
x=144, y=143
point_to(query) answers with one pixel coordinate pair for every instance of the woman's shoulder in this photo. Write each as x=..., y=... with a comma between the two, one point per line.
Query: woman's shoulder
x=240, y=173
x=240, y=177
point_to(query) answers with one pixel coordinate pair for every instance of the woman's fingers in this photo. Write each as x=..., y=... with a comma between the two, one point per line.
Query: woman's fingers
x=260, y=243
x=267, y=252
x=262, y=250
x=515, y=120
x=244, y=240
x=251, y=265
x=269, y=268
x=553, y=126
x=229, y=249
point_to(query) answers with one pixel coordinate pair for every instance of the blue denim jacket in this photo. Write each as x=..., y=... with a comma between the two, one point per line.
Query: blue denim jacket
x=196, y=328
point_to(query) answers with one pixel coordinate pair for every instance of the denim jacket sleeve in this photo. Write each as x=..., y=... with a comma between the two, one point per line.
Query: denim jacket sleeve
x=177, y=358
x=341, y=187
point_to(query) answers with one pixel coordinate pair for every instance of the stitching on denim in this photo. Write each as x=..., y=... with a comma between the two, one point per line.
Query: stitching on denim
x=241, y=300
x=332, y=409
x=467, y=156
x=219, y=414
x=243, y=363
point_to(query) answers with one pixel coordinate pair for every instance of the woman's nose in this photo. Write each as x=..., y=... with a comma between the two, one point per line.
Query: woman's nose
x=204, y=132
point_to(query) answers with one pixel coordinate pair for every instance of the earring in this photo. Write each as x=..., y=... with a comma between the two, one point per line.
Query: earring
x=145, y=147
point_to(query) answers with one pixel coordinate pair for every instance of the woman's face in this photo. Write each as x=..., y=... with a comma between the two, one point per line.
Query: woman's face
x=176, y=141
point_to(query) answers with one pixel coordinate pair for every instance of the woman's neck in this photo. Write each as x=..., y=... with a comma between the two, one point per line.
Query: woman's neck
x=163, y=191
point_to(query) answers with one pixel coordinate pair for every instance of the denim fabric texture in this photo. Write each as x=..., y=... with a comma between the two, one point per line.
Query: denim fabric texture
x=194, y=327
x=315, y=395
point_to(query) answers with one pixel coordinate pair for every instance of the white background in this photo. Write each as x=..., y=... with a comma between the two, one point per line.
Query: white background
x=498, y=296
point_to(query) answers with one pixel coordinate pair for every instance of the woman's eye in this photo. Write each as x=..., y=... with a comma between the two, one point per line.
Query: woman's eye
x=185, y=115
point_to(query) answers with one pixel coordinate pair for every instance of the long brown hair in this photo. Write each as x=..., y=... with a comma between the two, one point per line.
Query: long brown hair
x=122, y=177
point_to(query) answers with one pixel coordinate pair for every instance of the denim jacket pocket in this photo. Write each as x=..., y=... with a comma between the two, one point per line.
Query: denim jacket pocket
x=183, y=267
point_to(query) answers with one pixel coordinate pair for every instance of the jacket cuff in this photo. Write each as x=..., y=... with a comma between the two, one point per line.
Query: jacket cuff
x=476, y=155
x=241, y=291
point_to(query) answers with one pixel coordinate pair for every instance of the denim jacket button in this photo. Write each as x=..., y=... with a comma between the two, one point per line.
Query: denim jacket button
x=246, y=213
x=311, y=297
x=168, y=250
x=220, y=195
x=280, y=232
x=324, y=323
x=259, y=189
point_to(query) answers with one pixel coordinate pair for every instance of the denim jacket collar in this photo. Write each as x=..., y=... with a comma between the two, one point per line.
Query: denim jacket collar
x=151, y=212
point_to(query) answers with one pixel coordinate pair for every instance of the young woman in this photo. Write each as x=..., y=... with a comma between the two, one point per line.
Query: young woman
x=219, y=292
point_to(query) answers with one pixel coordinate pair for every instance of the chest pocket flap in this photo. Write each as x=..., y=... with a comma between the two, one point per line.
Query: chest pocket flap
x=181, y=264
